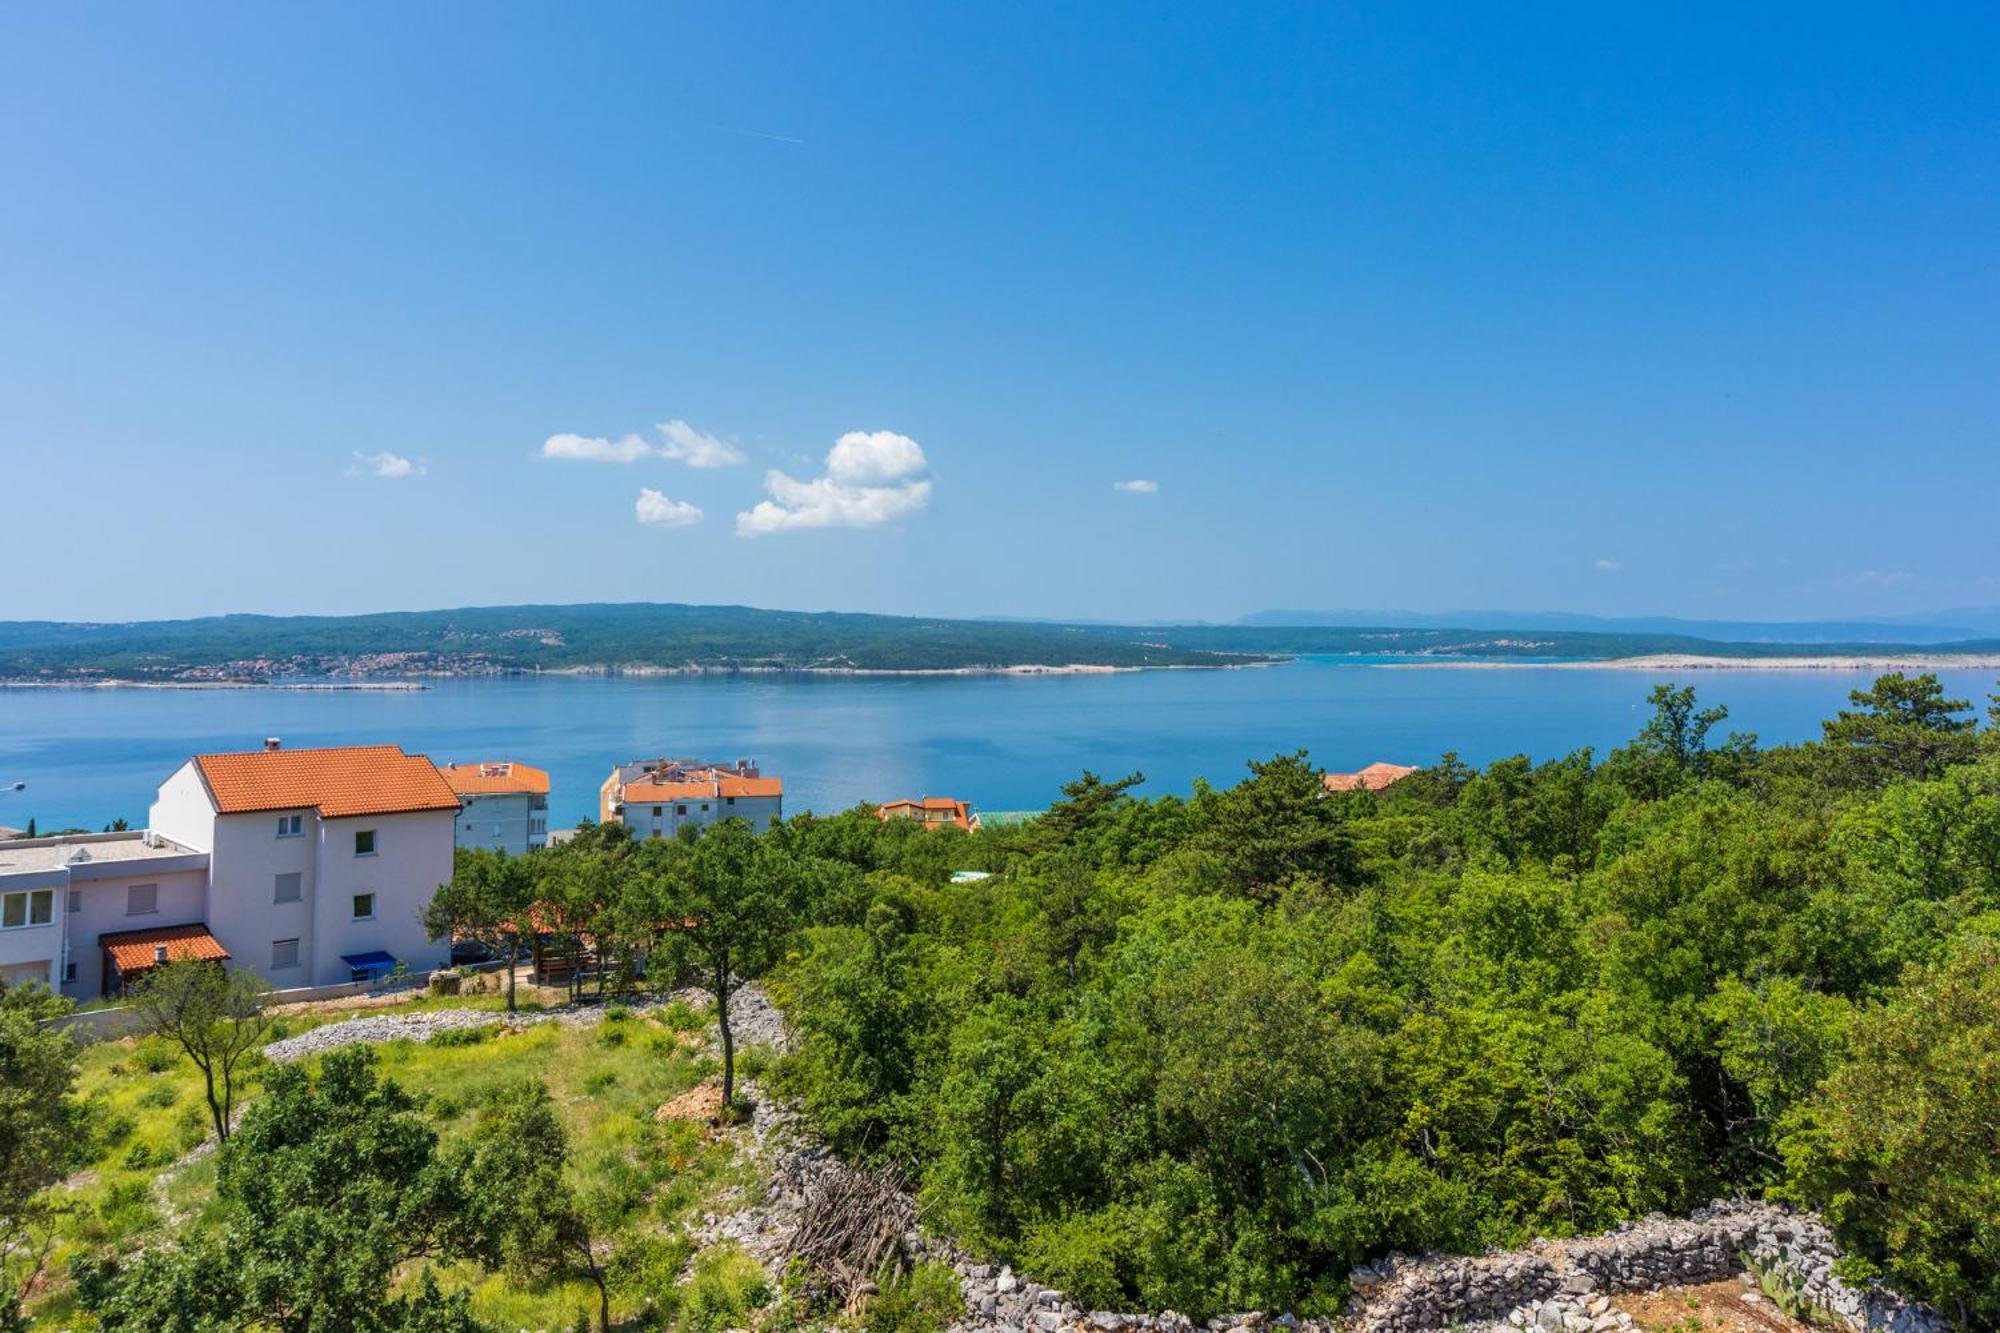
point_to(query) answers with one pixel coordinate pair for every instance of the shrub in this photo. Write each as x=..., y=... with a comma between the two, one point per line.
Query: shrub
x=617, y=1013
x=159, y=1095
x=155, y=1056
x=924, y=1300
x=1078, y=1255
x=139, y=1157
x=470, y=1036
x=191, y=1130
x=610, y=1035
x=724, y=1288
x=680, y=1016
x=600, y=1082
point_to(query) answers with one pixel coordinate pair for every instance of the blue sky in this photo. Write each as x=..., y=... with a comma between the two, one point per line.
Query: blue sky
x=1687, y=312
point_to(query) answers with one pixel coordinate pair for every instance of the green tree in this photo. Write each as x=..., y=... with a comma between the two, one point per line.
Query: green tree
x=1901, y=1148
x=1901, y=727
x=520, y=1152
x=489, y=899
x=41, y=1130
x=216, y=1016
x=331, y=1185
x=733, y=906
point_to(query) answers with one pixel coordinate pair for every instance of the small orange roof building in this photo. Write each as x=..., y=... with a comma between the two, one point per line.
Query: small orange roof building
x=656, y=797
x=930, y=811
x=1372, y=778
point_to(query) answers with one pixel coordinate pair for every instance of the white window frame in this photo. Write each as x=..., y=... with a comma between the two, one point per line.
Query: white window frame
x=131, y=900
x=278, y=887
x=277, y=966
x=291, y=826
x=26, y=898
x=369, y=834
x=359, y=915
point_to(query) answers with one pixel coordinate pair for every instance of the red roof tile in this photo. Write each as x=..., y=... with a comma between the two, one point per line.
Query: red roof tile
x=137, y=950
x=352, y=780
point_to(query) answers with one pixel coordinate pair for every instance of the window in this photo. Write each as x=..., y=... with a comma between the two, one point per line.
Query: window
x=704, y=807
x=656, y=833
x=69, y=970
x=364, y=907
x=291, y=826
x=75, y=903
x=730, y=799
x=656, y=812
x=364, y=842
x=284, y=954
x=290, y=888
x=30, y=907
x=681, y=810
x=142, y=899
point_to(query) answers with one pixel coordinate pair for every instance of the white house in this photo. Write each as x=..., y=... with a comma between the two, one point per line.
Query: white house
x=506, y=805
x=68, y=904
x=655, y=798
x=320, y=862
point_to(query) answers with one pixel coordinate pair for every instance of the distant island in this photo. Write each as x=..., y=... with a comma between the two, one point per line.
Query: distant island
x=662, y=638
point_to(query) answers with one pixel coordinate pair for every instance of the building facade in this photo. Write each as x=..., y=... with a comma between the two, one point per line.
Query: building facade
x=61, y=897
x=320, y=862
x=505, y=805
x=656, y=798
x=931, y=812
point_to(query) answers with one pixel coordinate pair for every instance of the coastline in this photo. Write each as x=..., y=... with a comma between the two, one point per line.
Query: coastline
x=1699, y=662
x=640, y=671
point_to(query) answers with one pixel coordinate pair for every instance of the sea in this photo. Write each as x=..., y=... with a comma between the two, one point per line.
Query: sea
x=1005, y=743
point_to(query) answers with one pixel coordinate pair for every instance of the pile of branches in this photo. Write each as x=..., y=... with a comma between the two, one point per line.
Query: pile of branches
x=851, y=1233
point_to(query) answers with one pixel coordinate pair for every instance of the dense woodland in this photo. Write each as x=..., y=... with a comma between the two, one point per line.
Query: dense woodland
x=1208, y=1053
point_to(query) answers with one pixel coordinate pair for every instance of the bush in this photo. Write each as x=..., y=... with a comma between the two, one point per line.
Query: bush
x=155, y=1056
x=724, y=1288
x=159, y=1095
x=1078, y=1255
x=680, y=1016
x=610, y=1034
x=191, y=1130
x=924, y=1300
x=600, y=1082
x=139, y=1157
x=617, y=1013
x=127, y=1208
x=470, y=1036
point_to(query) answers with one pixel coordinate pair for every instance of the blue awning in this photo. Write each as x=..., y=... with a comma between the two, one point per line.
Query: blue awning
x=373, y=963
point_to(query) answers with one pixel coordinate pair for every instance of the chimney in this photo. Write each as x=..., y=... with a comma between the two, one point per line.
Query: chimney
x=159, y=953
x=273, y=743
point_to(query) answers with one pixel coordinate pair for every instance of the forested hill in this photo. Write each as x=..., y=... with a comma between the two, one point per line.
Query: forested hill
x=670, y=636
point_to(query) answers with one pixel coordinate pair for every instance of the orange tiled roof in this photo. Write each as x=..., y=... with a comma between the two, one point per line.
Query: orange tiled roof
x=136, y=950
x=721, y=785
x=351, y=780
x=1372, y=778
x=959, y=812
x=495, y=779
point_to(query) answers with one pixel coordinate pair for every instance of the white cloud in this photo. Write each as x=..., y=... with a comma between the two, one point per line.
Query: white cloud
x=1137, y=486
x=388, y=466
x=591, y=449
x=871, y=477
x=685, y=444
x=658, y=511
x=873, y=458
x=1607, y=566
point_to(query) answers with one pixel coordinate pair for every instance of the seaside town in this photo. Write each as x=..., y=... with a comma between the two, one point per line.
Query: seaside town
x=313, y=867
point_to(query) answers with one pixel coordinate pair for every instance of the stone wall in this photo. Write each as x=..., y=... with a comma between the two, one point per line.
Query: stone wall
x=1566, y=1285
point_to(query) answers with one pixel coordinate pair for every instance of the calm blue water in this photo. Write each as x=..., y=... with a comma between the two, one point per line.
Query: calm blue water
x=1004, y=743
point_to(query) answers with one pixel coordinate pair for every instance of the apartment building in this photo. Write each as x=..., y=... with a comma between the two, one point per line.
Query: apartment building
x=656, y=798
x=505, y=805
x=320, y=861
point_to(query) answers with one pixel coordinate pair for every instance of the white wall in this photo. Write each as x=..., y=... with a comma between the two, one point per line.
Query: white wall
x=412, y=859
x=182, y=810
x=512, y=822
x=181, y=898
x=701, y=810
x=245, y=859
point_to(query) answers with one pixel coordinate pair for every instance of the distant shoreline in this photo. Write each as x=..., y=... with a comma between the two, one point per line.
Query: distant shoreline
x=615, y=672
x=1700, y=662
